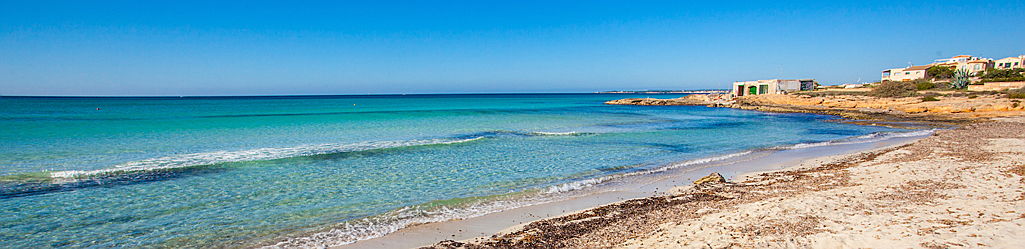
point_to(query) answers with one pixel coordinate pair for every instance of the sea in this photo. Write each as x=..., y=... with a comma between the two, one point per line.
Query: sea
x=102, y=172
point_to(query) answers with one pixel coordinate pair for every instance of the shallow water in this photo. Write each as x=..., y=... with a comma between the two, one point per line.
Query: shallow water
x=200, y=172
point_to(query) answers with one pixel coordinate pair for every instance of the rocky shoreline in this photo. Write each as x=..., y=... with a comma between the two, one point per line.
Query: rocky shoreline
x=693, y=99
x=960, y=109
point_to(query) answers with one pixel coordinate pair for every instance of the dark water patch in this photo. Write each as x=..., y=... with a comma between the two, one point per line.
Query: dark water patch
x=621, y=168
x=841, y=132
x=670, y=147
x=640, y=124
x=13, y=188
x=706, y=126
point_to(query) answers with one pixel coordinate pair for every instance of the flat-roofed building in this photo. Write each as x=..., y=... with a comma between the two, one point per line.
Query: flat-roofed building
x=773, y=86
x=906, y=74
x=956, y=59
x=1010, y=62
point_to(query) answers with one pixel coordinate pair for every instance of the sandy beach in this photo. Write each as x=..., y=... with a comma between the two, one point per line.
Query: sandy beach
x=962, y=187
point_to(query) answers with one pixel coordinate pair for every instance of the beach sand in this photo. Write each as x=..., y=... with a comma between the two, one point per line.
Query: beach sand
x=480, y=229
x=963, y=187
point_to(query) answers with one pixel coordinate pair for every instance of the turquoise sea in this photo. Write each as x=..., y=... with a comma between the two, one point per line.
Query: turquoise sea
x=246, y=171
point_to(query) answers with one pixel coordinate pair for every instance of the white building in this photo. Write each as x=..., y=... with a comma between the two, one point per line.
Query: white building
x=905, y=74
x=774, y=86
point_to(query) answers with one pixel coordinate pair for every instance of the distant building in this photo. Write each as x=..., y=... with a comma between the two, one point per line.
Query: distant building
x=975, y=66
x=774, y=86
x=906, y=74
x=1010, y=62
x=956, y=59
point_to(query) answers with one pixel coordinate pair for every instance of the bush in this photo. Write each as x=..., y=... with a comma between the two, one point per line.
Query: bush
x=930, y=98
x=893, y=89
x=1002, y=75
x=924, y=85
x=1016, y=93
x=940, y=72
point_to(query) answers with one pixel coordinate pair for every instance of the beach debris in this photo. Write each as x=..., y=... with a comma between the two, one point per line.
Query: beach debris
x=710, y=178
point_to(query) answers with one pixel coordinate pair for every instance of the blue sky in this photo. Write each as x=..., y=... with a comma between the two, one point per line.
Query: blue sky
x=357, y=47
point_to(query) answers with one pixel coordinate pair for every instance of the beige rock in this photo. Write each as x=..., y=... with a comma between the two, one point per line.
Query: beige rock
x=711, y=178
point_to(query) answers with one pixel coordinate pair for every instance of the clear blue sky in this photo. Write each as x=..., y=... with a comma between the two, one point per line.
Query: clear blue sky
x=355, y=47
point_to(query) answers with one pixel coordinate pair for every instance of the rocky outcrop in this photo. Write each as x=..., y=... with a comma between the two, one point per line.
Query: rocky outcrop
x=693, y=99
x=978, y=106
x=710, y=179
x=953, y=109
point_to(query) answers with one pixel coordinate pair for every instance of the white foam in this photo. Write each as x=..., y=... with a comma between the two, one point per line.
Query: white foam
x=377, y=226
x=874, y=137
x=581, y=184
x=545, y=133
x=207, y=158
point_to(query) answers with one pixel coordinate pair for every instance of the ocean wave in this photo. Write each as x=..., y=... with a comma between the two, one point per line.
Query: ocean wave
x=873, y=137
x=582, y=184
x=261, y=154
x=568, y=133
x=178, y=162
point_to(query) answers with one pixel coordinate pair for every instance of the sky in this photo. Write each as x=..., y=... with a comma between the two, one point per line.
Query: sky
x=175, y=48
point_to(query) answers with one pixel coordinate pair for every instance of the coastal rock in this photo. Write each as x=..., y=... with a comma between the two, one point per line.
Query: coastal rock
x=693, y=99
x=710, y=179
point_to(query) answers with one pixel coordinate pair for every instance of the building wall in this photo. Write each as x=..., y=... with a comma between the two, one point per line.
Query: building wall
x=899, y=74
x=774, y=86
x=975, y=67
x=1010, y=62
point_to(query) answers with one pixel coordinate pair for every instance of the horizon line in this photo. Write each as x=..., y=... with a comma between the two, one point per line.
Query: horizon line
x=322, y=95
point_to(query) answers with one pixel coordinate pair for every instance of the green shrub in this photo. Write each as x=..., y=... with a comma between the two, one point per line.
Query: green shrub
x=924, y=85
x=1001, y=80
x=893, y=89
x=1016, y=93
x=940, y=72
x=930, y=98
x=961, y=79
x=1002, y=75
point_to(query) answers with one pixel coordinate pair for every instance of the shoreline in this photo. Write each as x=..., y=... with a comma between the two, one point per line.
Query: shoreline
x=473, y=232
x=477, y=229
x=913, y=195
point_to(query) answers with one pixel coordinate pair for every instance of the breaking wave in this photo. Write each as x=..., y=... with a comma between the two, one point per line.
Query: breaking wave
x=873, y=137
x=208, y=158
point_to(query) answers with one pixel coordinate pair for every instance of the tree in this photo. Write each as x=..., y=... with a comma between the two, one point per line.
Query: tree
x=940, y=72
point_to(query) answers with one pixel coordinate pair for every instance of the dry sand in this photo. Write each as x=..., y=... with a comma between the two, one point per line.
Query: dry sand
x=959, y=188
